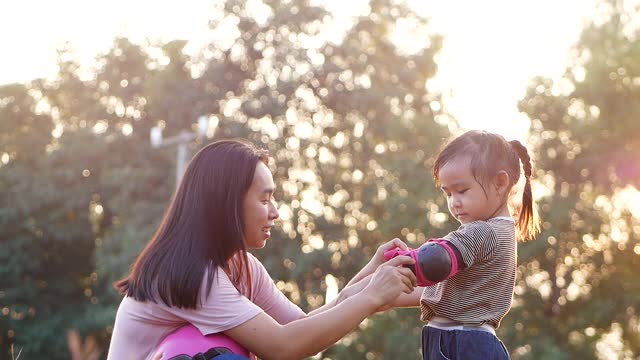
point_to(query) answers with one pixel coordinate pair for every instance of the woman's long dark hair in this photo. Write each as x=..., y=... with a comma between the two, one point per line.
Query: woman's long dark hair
x=201, y=229
x=490, y=153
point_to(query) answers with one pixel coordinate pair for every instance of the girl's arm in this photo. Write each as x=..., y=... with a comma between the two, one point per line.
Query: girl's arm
x=266, y=338
x=406, y=300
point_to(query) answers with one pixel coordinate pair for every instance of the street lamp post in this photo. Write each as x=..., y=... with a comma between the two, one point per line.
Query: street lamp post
x=181, y=140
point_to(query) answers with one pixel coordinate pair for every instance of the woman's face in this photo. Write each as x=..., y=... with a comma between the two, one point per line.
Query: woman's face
x=258, y=209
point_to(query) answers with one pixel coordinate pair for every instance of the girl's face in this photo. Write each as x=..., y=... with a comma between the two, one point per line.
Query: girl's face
x=258, y=209
x=466, y=199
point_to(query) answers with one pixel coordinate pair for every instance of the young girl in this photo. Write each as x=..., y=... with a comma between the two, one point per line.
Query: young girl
x=469, y=275
x=196, y=269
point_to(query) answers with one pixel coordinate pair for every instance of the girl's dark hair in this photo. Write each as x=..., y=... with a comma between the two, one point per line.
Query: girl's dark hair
x=488, y=154
x=201, y=229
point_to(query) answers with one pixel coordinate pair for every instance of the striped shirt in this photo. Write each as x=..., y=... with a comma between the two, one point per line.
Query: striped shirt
x=481, y=293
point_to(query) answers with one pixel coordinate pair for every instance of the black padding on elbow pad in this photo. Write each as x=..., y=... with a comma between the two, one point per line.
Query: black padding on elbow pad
x=434, y=261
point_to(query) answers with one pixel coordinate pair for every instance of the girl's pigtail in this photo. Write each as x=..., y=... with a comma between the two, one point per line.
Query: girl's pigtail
x=527, y=224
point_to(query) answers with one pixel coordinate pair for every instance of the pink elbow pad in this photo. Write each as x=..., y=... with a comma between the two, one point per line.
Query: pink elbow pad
x=413, y=253
x=455, y=266
x=435, y=261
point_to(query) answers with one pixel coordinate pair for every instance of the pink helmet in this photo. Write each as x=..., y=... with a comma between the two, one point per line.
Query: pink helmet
x=189, y=341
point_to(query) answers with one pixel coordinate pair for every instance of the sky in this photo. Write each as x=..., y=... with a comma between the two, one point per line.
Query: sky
x=491, y=50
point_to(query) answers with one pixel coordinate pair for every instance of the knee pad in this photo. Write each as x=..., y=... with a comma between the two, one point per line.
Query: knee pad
x=188, y=343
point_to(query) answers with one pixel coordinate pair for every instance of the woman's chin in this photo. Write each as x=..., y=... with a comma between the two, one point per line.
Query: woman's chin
x=259, y=244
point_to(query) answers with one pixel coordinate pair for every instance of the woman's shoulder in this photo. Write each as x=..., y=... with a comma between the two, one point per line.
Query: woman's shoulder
x=258, y=271
x=255, y=263
x=252, y=258
x=140, y=309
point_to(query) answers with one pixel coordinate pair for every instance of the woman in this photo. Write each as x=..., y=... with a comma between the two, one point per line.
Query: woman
x=196, y=269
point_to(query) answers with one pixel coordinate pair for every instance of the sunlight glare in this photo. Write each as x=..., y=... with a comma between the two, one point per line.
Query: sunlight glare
x=127, y=129
x=611, y=345
x=332, y=288
x=57, y=131
x=488, y=58
x=484, y=66
x=630, y=198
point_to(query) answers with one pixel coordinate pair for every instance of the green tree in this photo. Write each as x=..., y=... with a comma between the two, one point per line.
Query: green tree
x=45, y=223
x=70, y=161
x=334, y=117
x=351, y=129
x=576, y=281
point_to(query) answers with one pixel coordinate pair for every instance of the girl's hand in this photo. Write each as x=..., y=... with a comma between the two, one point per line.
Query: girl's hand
x=390, y=280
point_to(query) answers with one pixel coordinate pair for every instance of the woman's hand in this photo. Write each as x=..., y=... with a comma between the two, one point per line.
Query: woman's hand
x=377, y=259
x=352, y=289
x=390, y=280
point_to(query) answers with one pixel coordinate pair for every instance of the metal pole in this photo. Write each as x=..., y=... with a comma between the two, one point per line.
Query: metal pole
x=181, y=159
x=182, y=140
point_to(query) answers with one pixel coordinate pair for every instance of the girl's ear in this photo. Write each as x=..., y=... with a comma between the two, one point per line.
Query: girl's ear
x=502, y=181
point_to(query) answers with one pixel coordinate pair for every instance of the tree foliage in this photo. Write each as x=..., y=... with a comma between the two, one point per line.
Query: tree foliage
x=352, y=130
x=577, y=294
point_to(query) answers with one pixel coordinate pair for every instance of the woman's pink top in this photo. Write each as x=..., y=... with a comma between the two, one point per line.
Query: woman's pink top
x=140, y=326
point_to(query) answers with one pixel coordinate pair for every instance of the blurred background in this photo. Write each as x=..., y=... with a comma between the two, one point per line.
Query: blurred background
x=353, y=101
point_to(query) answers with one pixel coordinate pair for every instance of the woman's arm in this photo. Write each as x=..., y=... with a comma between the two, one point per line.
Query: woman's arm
x=357, y=283
x=341, y=296
x=266, y=338
x=403, y=300
x=344, y=294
